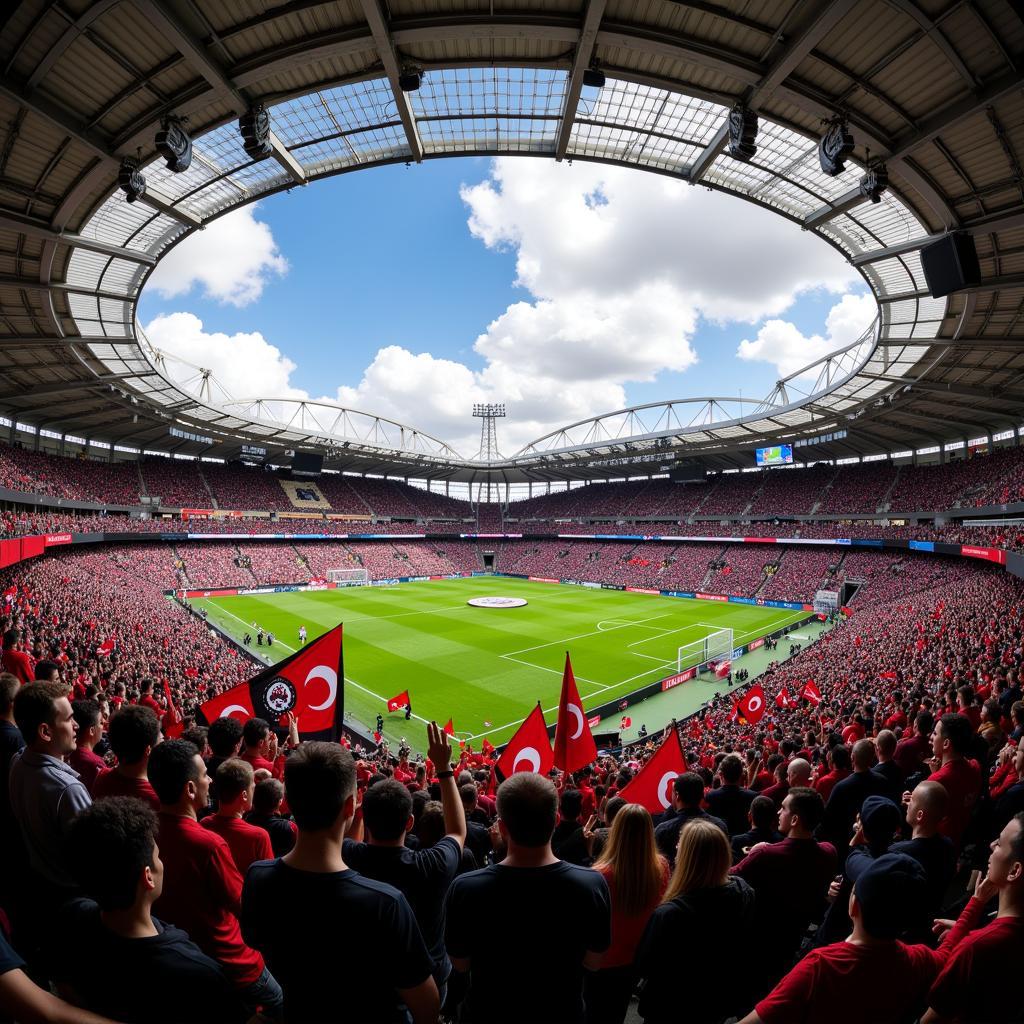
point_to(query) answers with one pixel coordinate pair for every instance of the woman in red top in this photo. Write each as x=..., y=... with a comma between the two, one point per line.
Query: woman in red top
x=637, y=876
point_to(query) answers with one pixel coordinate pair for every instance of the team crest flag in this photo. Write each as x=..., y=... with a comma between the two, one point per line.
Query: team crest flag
x=751, y=704
x=574, y=743
x=811, y=693
x=309, y=684
x=529, y=750
x=652, y=785
x=401, y=701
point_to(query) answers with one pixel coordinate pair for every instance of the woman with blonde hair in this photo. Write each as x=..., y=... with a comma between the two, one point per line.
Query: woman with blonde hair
x=683, y=954
x=636, y=875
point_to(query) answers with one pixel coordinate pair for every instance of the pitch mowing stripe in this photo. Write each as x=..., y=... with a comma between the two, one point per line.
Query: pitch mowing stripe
x=454, y=659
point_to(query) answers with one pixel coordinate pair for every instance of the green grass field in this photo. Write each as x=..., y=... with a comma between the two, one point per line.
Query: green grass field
x=480, y=665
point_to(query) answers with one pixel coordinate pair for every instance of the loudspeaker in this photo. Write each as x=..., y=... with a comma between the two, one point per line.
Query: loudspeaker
x=950, y=264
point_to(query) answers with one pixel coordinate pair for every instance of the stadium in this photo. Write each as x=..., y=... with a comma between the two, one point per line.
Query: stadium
x=661, y=678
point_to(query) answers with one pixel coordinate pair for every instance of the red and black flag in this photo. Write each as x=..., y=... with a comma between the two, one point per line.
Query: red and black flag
x=309, y=684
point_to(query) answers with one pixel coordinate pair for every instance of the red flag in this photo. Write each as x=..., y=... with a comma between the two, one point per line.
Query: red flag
x=449, y=727
x=652, y=786
x=105, y=649
x=530, y=749
x=751, y=704
x=722, y=669
x=574, y=744
x=782, y=698
x=308, y=683
x=401, y=701
x=811, y=693
x=488, y=746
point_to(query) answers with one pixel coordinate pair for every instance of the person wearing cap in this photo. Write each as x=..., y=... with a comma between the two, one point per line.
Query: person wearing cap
x=980, y=980
x=876, y=827
x=871, y=975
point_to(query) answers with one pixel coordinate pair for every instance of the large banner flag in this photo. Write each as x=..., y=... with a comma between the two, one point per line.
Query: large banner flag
x=529, y=750
x=309, y=684
x=574, y=743
x=811, y=693
x=751, y=704
x=652, y=785
x=401, y=701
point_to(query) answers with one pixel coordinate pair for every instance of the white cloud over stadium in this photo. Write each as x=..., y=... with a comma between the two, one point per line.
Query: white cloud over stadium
x=617, y=267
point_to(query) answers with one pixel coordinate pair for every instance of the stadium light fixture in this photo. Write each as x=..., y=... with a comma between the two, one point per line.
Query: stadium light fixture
x=874, y=182
x=594, y=76
x=254, y=126
x=409, y=79
x=130, y=179
x=742, y=133
x=835, y=146
x=174, y=144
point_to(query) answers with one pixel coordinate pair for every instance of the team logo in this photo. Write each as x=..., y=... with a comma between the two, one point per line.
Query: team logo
x=280, y=696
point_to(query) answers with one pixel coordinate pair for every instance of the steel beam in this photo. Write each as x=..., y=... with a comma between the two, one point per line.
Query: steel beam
x=40, y=229
x=580, y=63
x=711, y=151
x=993, y=284
x=63, y=387
x=164, y=204
x=389, y=58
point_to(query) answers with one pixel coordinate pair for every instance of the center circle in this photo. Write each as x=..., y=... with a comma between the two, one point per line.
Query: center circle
x=497, y=602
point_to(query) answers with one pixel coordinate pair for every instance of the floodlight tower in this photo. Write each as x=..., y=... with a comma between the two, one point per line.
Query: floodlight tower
x=488, y=413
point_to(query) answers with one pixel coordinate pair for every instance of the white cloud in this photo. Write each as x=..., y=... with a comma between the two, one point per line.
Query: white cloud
x=232, y=260
x=782, y=343
x=617, y=267
x=246, y=365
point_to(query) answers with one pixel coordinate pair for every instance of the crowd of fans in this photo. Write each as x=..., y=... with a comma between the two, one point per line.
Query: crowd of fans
x=857, y=854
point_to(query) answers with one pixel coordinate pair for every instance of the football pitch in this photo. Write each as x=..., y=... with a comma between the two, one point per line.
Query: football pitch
x=485, y=668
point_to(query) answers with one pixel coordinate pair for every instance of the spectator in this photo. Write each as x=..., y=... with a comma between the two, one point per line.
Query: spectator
x=887, y=768
x=247, y=842
x=519, y=893
x=147, y=700
x=798, y=774
x=423, y=876
x=977, y=982
x=849, y=795
x=704, y=909
x=15, y=660
x=259, y=746
x=637, y=876
x=112, y=847
x=790, y=880
x=133, y=733
x=687, y=796
x=764, y=820
x=87, y=763
x=840, y=767
x=912, y=750
x=202, y=887
x=225, y=739
x=926, y=809
x=731, y=802
x=46, y=794
x=478, y=841
x=46, y=672
x=289, y=904
x=960, y=777
x=267, y=799
x=12, y=855
x=871, y=976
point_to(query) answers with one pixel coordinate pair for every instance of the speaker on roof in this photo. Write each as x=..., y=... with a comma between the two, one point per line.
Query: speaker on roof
x=742, y=133
x=950, y=264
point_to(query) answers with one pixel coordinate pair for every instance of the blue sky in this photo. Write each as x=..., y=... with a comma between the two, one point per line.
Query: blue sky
x=586, y=286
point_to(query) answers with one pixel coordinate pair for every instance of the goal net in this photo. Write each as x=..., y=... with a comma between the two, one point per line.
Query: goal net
x=348, y=577
x=716, y=646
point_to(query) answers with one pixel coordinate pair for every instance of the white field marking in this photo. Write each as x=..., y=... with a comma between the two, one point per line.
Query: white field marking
x=593, y=632
x=248, y=626
x=664, y=633
x=602, y=626
x=557, y=671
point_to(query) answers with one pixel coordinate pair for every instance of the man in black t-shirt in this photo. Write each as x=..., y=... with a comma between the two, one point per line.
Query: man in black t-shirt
x=225, y=740
x=343, y=947
x=423, y=875
x=548, y=920
x=160, y=974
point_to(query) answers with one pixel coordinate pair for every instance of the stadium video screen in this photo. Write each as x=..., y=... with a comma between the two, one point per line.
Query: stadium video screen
x=306, y=464
x=780, y=455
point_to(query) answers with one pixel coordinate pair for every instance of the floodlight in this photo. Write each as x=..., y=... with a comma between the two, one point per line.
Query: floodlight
x=254, y=126
x=409, y=80
x=594, y=77
x=130, y=179
x=742, y=133
x=173, y=144
x=835, y=146
x=874, y=182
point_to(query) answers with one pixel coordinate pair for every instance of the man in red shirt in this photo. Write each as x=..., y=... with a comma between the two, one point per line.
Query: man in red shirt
x=912, y=750
x=259, y=747
x=134, y=732
x=147, y=700
x=202, y=887
x=977, y=982
x=82, y=759
x=960, y=777
x=15, y=660
x=840, y=764
x=871, y=976
x=235, y=787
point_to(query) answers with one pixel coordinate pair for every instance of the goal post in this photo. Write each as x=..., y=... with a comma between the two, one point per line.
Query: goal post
x=348, y=577
x=716, y=646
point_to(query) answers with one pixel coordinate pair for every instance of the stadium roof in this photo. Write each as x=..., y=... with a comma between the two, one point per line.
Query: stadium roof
x=932, y=88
